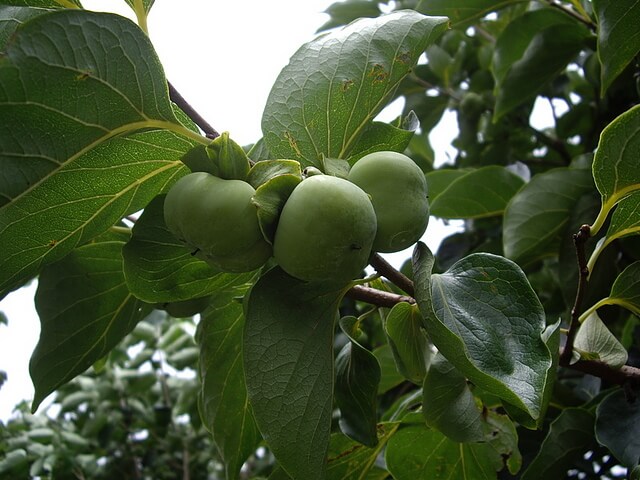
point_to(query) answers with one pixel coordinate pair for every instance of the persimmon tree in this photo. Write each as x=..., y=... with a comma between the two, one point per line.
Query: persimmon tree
x=511, y=351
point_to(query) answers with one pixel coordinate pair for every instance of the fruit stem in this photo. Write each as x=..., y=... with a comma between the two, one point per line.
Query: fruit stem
x=396, y=277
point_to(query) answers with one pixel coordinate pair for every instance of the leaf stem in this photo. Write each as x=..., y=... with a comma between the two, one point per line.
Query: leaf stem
x=579, y=240
x=179, y=100
x=377, y=297
x=609, y=204
x=119, y=229
x=396, y=277
x=573, y=14
x=141, y=16
x=67, y=4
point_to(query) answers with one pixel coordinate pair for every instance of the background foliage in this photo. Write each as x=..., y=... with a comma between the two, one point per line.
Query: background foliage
x=300, y=380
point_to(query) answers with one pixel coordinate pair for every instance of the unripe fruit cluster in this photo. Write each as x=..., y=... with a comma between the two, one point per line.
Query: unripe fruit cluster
x=327, y=228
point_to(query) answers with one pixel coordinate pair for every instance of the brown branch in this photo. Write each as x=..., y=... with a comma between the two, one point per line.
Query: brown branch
x=625, y=375
x=579, y=239
x=186, y=460
x=179, y=100
x=396, y=277
x=552, y=143
x=377, y=297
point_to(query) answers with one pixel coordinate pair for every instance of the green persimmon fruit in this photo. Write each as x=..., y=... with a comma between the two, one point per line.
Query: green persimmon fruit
x=217, y=217
x=325, y=231
x=398, y=191
x=251, y=259
x=186, y=308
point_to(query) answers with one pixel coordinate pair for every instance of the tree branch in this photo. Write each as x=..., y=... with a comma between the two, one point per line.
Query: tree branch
x=396, y=277
x=552, y=143
x=179, y=100
x=377, y=297
x=618, y=376
x=579, y=239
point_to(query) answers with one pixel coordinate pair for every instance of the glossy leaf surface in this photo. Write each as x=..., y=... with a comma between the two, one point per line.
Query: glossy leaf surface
x=595, y=341
x=626, y=289
x=462, y=11
x=569, y=437
x=159, y=268
x=50, y=143
x=618, y=37
x=349, y=460
x=625, y=222
x=483, y=316
x=44, y=3
x=224, y=403
x=408, y=341
x=288, y=362
x=448, y=404
x=357, y=380
x=615, y=166
x=617, y=421
x=334, y=86
x=537, y=215
x=85, y=309
x=446, y=459
x=532, y=50
x=479, y=193
x=11, y=18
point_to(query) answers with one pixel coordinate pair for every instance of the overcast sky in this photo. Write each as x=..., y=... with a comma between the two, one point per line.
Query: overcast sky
x=223, y=57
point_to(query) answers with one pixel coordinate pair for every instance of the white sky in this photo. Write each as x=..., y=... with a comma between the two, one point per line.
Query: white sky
x=223, y=57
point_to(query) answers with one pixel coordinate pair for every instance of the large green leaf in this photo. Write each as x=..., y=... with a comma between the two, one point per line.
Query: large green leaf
x=12, y=17
x=618, y=37
x=439, y=180
x=537, y=215
x=408, y=341
x=85, y=309
x=44, y=3
x=349, y=460
x=448, y=404
x=224, y=403
x=615, y=165
x=380, y=136
x=357, y=380
x=389, y=375
x=626, y=289
x=594, y=341
x=479, y=193
x=334, y=86
x=83, y=199
x=159, y=268
x=419, y=453
x=462, y=12
x=341, y=13
x=569, y=437
x=288, y=361
x=69, y=168
x=625, y=292
x=484, y=317
x=531, y=51
x=617, y=423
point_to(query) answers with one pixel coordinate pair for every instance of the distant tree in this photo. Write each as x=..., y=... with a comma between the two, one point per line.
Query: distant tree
x=133, y=416
x=510, y=353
